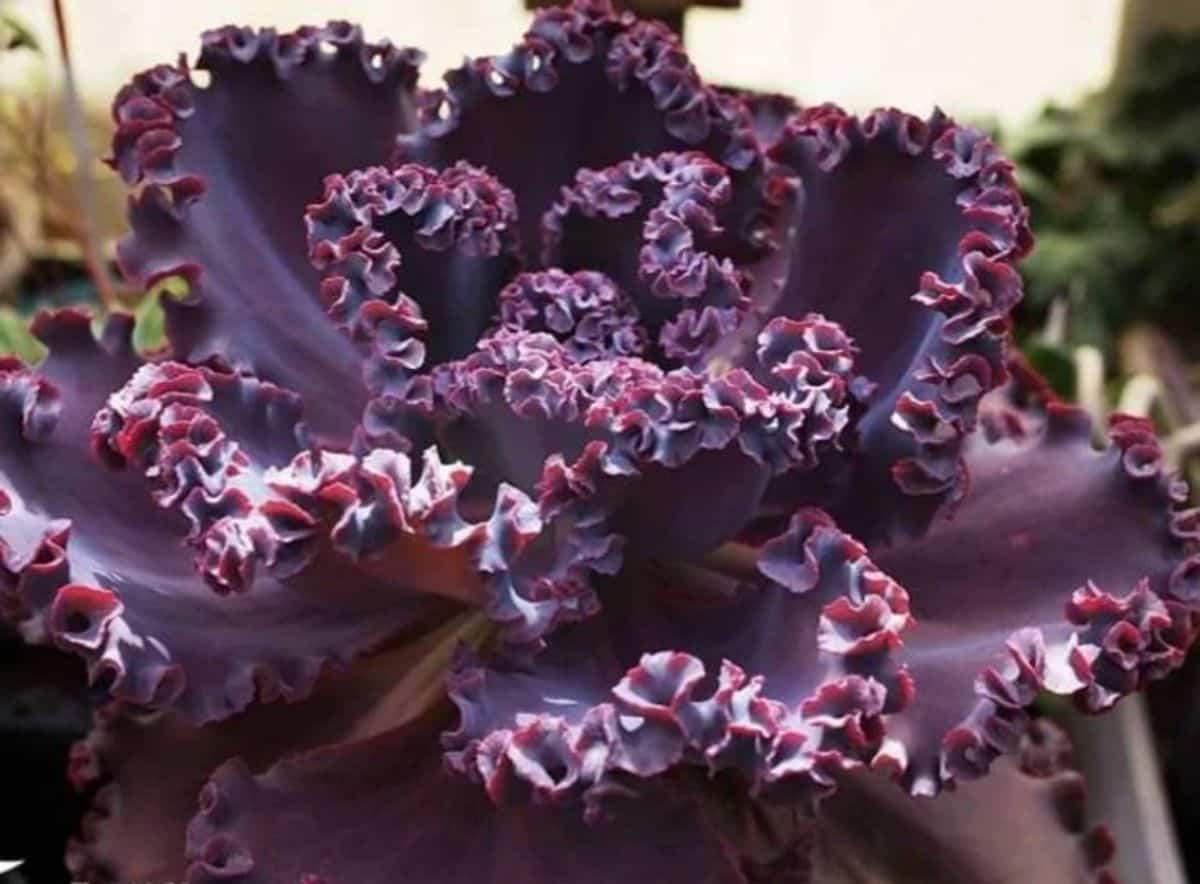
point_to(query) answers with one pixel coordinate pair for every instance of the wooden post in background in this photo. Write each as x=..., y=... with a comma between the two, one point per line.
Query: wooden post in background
x=1141, y=19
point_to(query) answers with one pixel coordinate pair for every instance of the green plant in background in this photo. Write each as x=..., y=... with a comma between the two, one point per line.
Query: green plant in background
x=13, y=32
x=15, y=337
x=41, y=229
x=1114, y=186
x=149, y=332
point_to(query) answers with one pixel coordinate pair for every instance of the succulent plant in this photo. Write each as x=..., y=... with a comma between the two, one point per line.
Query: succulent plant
x=680, y=427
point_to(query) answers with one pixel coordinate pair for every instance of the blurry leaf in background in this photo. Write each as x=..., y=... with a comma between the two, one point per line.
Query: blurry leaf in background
x=148, y=331
x=41, y=225
x=20, y=223
x=14, y=34
x=15, y=337
x=148, y=334
x=1054, y=364
x=1114, y=187
x=1181, y=206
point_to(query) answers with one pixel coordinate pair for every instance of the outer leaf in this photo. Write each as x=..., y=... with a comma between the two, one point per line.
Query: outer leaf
x=1026, y=822
x=384, y=809
x=96, y=565
x=142, y=774
x=1067, y=570
x=225, y=172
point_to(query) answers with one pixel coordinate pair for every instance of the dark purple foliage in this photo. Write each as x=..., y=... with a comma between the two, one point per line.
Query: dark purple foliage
x=677, y=429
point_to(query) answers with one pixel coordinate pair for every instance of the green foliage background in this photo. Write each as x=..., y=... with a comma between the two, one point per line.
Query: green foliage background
x=1114, y=187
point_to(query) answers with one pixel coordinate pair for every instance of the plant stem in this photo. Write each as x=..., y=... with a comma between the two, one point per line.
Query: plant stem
x=89, y=234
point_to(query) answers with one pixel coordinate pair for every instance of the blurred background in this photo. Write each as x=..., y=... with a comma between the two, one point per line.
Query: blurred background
x=1098, y=101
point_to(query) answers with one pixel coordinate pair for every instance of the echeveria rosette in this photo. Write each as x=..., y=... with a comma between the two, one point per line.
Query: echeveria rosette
x=705, y=402
x=533, y=393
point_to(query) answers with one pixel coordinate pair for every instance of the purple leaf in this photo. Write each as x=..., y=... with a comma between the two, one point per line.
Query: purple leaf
x=1025, y=822
x=142, y=775
x=658, y=681
x=906, y=235
x=99, y=566
x=596, y=85
x=655, y=249
x=225, y=172
x=317, y=817
x=1065, y=569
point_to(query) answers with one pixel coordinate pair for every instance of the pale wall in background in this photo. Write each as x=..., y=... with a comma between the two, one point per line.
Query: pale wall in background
x=1001, y=58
